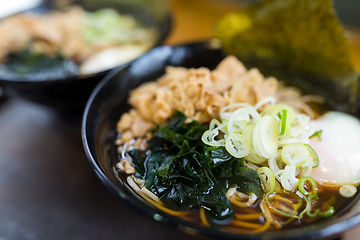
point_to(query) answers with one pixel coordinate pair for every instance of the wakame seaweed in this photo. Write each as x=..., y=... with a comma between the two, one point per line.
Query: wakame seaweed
x=28, y=63
x=185, y=173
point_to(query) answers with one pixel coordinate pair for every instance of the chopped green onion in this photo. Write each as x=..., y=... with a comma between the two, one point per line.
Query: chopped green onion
x=214, y=123
x=347, y=191
x=240, y=114
x=310, y=201
x=288, y=178
x=268, y=178
x=226, y=115
x=313, y=155
x=328, y=212
x=302, y=185
x=317, y=134
x=295, y=154
x=266, y=136
x=237, y=145
x=252, y=156
x=273, y=109
x=285, y=210
x=209, y=136
x=248, y=132
x=285, y=123
x=239, y=126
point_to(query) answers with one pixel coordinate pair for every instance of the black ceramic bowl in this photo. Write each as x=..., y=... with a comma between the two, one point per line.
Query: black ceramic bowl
x=109, y=101
x=72, y=92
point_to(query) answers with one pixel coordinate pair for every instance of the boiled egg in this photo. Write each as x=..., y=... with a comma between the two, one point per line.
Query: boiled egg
x=338, y=150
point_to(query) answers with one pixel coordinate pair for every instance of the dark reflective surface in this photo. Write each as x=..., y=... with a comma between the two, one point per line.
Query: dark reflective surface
x=108, y=102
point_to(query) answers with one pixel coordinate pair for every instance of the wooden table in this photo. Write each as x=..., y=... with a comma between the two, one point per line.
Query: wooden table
x=47, y=187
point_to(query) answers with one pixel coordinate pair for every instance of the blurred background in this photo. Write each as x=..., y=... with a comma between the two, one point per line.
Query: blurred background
x=195, y=19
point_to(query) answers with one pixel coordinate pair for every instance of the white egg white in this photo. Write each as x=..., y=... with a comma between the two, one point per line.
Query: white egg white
x=338, y=150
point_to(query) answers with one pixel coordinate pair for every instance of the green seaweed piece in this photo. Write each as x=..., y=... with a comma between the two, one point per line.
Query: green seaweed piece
x=30, y=63
x=185, y=173
x=303, y=37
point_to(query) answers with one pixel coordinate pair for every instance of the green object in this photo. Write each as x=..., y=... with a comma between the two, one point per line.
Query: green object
x=108, y=26
x=313, y=155
x=293, y=35
x=328, y=212
x=302, y=185
x=102, y=26
x=185, y=173
x=285, y=123
x=317, y=134
x=38, y=65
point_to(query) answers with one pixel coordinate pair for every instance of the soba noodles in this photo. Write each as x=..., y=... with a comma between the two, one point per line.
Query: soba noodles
x=231, y=148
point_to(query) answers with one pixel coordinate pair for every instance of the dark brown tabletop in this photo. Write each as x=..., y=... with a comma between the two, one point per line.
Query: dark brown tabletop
x=48, y=189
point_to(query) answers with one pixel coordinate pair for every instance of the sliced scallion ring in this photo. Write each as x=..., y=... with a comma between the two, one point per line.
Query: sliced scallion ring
x=309, y=203
x=268, y=178
x=226, y=115
x=252, y=156
x=237, y=145
x=242, y=114
x=248, y=131
x=295, y=154
x=288, y=178
x=214, y=123
x=273, y=109
x=239, y=126
x=347, y=191
x=305, y=182
x=266, y=136
x=307, y=167
x=209, y=136
x=313, y=155
x=328, y=212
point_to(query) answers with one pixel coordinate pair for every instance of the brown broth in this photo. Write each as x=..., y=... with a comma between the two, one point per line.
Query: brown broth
x=325, y=194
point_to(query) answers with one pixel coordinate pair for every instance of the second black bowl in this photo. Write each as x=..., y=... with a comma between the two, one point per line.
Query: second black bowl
x=72, y=92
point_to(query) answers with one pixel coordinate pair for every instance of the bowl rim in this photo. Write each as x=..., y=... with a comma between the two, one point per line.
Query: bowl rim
x=12, y=78
x=329, y=228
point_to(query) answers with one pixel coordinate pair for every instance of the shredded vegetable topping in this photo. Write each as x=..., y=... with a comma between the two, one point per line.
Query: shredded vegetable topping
x=260, y=137
x=276, y=142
